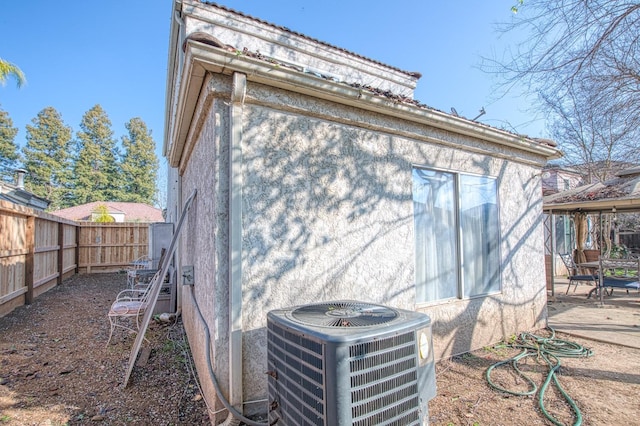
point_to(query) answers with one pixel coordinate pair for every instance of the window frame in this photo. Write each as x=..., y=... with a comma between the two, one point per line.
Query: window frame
x=459, y=261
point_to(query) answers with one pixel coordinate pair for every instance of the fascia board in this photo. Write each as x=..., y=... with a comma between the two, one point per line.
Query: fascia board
x=174, y=34
x=190, y=87
x=620, y=205
x=201, y=58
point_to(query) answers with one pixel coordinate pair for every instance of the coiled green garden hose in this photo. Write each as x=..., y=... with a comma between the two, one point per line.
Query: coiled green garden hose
x=550, y=350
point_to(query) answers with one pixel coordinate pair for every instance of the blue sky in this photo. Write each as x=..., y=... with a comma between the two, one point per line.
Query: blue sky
x=79, y=53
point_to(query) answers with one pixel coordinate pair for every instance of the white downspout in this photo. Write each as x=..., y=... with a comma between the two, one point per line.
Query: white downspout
x=176, y=57
x=179, y=250
x=235, y=240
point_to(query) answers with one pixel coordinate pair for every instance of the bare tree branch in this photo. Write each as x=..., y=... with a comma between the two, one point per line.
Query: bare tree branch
x=581, y=57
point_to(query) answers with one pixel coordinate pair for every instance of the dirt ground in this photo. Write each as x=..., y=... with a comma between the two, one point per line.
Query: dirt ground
x=56, y=370
x=55, y=367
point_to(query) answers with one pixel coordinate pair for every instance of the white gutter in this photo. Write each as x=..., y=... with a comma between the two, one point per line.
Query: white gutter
x=201, y=57
x=176, y=33
x=235, y=240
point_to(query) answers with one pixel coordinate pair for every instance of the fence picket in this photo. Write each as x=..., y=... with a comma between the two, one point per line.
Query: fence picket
x=39, y=250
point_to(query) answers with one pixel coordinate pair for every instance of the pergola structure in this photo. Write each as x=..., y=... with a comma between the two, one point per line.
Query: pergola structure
x=618, y=195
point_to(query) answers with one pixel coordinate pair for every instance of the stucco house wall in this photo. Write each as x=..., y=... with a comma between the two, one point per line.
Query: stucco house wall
x=557, y=179
x=305, y=195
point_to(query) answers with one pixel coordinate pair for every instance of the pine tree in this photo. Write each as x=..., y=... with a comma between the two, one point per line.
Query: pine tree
x=96, y=171
x=47, y=158
x=9, y=154
x=139, y=164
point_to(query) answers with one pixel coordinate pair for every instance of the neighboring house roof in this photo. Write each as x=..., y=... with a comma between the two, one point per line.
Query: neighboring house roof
x=133, y=212
x=621, y=193
x=18, y=195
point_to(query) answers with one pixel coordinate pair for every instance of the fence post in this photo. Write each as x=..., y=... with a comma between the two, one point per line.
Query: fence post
x=60, y=251
x=77, y=251
x=28, y=263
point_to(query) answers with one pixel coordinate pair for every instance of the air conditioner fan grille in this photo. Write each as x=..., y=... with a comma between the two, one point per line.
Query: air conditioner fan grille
x=343, y=314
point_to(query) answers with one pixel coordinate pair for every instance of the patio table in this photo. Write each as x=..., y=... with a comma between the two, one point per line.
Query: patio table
x=627, y=264
x=618, y=263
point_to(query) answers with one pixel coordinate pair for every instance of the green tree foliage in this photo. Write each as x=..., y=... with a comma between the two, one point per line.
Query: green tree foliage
x=8, y=69
x=47, y=158
x=103, y=215
x=69, y=172
x=96, y=171
x=9, y=155
x=139, y=164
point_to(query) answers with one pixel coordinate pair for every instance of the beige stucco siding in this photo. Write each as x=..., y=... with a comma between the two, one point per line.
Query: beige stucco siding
x=242, y=32
x=204, y=244
x=327, y=214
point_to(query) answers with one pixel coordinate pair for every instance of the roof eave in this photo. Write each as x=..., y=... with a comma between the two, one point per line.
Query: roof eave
x=174, y=34
x=201, y=58
x=606, y=205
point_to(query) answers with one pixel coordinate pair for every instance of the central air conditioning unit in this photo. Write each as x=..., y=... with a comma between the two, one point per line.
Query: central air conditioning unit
x=349, y=363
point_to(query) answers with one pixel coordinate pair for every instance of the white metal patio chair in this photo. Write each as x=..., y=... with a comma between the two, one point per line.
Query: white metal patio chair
x=130, y=305
x=142, y=262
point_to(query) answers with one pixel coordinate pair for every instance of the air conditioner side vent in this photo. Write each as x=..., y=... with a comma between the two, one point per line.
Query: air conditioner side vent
x=349, y=363
x=382, y=344
x=299, y=364
x=384, y=374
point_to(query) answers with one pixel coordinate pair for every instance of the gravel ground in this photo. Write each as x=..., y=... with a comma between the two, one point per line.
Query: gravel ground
x=55, y=369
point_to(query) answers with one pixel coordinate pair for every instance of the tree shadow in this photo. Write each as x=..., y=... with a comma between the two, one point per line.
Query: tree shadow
x=327, y=205
x=327, y=213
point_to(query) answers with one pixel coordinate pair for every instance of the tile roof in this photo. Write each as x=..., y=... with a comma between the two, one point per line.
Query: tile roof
x=384, y=93
x=133, y=212
x=416, y=75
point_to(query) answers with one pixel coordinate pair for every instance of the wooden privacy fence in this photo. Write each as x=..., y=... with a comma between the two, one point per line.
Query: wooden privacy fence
x=111, y=247
x=39, y=250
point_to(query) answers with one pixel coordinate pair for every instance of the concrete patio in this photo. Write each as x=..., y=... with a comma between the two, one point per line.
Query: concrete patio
x=617, y=321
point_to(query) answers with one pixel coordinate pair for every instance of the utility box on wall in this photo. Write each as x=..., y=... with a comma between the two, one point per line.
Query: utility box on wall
x=166, y=302
x=160, y=235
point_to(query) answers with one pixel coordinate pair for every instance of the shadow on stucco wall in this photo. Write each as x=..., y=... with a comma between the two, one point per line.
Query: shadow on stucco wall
x=521, y=304
x=327, y=213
